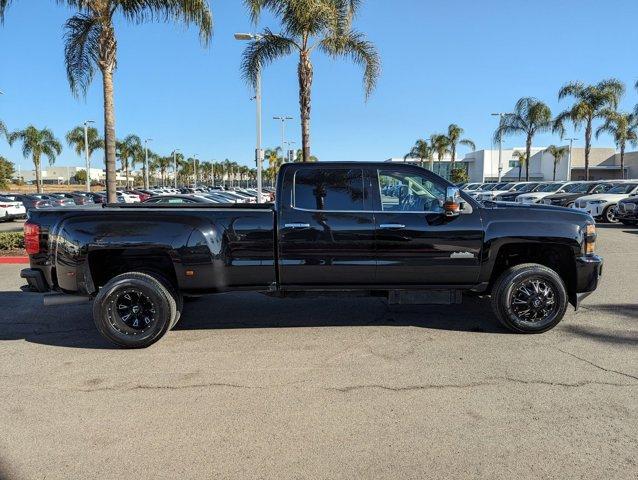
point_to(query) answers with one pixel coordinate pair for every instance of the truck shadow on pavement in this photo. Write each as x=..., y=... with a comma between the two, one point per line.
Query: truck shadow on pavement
x=24, y=318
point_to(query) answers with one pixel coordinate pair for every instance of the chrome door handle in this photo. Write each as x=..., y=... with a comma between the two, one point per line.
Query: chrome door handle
x=297, y=225
x=392, y=225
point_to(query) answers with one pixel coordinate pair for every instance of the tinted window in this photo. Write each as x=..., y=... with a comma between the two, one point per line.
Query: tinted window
x=329, y=189
x=410, y=192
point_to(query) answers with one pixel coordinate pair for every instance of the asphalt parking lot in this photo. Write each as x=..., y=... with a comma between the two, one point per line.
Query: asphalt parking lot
x=14, y=226
x=253, y=387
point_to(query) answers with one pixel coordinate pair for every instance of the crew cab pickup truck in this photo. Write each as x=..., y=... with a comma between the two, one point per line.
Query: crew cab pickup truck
x=391, y=230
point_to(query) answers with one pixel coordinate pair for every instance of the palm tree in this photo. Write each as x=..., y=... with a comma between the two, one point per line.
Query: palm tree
x=420, y=150
x=522, y=160
x=126, y=151
x=299, y=157
x=591, y=102
x=91, y=42
x=75, y=140
x=557, y=153
x=3, y=127
x=162, y=164
x=308, y=25
x=454, y=133
x=36, y=143
x=218, y=172
x=531, y=116
x=623, y=127
x=441, y=145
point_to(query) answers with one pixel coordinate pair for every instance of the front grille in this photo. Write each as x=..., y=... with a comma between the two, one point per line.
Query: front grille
x=630, y=207
x=581, y=204
x=548, y=202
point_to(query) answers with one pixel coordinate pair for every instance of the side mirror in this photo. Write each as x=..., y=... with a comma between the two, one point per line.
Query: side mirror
x=452, y=206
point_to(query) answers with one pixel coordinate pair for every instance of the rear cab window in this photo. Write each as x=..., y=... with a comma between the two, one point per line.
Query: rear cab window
x=330, y=189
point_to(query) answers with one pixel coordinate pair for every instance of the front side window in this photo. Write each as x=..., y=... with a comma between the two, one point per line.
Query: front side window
x=329, y=189
x=410, y=192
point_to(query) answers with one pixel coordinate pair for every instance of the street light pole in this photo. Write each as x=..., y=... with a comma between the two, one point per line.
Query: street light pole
x=283, y=119
x=290, y=151
x=146, y=140
x=175, y=165
x=86, y=154
x=569, y=162
x=500, y=116
x=195, y=170
x=259, y=153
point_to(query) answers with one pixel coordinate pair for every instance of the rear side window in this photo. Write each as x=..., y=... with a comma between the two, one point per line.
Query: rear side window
x=329, y=189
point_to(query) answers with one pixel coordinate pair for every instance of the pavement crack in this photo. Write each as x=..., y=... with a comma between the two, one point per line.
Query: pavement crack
x=608, y=370
x=129, y=388
x=493, y=382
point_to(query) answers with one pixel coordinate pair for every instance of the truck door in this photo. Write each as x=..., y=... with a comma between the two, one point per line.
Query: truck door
x=416, y=243
x=325, y=226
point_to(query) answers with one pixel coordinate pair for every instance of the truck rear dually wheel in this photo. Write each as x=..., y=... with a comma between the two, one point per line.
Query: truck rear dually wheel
x=134, y=310
x=529, y=298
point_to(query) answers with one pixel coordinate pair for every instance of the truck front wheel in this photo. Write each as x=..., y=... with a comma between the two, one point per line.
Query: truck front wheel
x=529, y=298
x=134, y=310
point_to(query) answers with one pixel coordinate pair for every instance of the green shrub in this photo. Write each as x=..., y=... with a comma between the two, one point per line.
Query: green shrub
x=11, y=240
x=459, y=175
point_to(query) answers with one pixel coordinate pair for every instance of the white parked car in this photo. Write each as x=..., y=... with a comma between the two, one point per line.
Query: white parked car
x=603, y=205
x=10, y=209
x=545, y=190
x=500, y=189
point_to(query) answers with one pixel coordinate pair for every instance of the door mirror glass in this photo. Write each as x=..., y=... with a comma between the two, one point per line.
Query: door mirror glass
x=452, y=205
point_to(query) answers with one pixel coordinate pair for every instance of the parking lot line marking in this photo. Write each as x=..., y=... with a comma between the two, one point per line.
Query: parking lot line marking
x=13, y=260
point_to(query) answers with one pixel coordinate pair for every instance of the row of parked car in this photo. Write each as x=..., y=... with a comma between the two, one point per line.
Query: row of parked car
x=14, y=205
x=605, y=200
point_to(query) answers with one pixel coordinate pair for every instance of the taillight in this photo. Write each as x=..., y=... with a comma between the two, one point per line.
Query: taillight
x=39, y=203
x=4, y=206
x=31, y=238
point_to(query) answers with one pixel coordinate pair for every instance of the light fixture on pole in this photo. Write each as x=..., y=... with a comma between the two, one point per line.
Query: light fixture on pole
x=86, y=154
x=146, y=140
x=259, y=153
x=283, y=119
x=569, y=162
x=500, y=115
x=175, y=165
x=290, y=152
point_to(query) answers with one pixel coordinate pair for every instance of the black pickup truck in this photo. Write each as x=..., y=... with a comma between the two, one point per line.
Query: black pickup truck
x=392, y=230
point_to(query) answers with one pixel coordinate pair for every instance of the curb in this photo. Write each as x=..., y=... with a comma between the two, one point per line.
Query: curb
x=14, y=260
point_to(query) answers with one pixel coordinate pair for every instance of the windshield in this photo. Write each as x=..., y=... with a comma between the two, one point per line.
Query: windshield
x=570, y=187
x=469, y=188
x=627, y=188
x=522, y=187
x=580, y=188
x=509, y=186
x=551, y=187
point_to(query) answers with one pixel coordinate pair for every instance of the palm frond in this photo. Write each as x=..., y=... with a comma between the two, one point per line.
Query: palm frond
x=468, y=143
x=81, y=51
x=571, y=89
x=360, y=51
x=264, y=51
x=4, y=4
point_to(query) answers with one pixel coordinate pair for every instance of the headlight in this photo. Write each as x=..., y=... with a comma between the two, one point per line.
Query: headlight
x=596, y=202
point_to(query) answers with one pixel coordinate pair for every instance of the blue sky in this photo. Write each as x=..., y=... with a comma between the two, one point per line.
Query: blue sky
x=443, y=61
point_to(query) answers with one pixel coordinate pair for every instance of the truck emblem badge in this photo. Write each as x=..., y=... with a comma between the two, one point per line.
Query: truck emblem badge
x=462, y=255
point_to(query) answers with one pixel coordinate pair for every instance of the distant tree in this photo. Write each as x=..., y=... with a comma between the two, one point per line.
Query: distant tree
x=459, y=175
x=421, y=150
x=530, y=116
x=127, y=151
x=441, y=145
x=36, y=143
x=299, y=157
x=91, y=42
x=522, y=160
x=6, y=172
x=558, y=153
x=3, y=128
x=75, y=140
x=307, y=25
x=454, y=133
x=80, y=177
x=623, y=127
x=590, y=102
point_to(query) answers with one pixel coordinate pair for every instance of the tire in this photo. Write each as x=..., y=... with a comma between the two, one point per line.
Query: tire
x=177, y=296
x=608, y=215
x=508, y=291
x=149, y=310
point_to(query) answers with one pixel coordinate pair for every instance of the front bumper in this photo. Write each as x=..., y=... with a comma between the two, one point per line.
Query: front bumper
x=589, y=269
x=594, y=209
x=624, y=214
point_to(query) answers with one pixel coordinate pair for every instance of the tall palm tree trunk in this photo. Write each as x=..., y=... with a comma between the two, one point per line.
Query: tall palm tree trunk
x=305, y=86
x=38, y=174
x=107, y=52
x=528, y=151
x=554, y=176
x=453, y=152
x=588, y=131
x=622, y=160
x=520, y=170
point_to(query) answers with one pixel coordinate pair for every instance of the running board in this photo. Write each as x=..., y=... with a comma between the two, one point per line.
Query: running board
x=425, y=297
x=54, y=299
